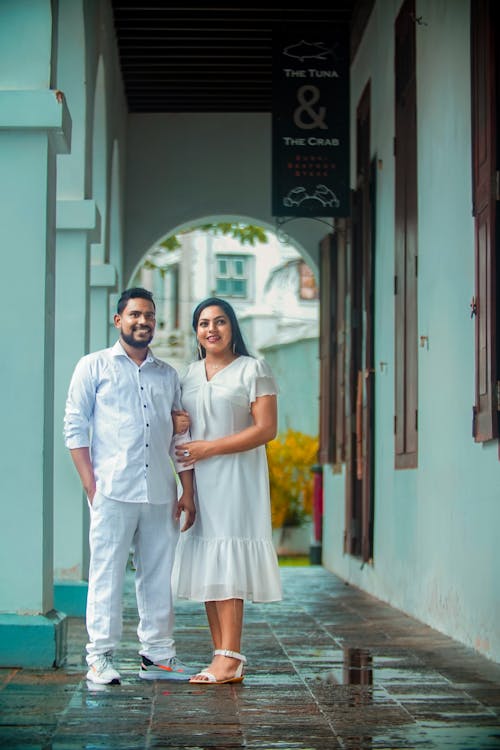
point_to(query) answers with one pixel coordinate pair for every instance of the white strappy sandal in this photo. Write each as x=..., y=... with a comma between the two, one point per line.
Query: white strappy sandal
x=207, y=678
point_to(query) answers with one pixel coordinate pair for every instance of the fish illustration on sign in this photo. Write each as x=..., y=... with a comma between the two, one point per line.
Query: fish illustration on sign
x=307, y=50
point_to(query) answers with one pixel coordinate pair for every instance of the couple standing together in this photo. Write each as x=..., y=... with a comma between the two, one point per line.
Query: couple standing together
x=145, y=477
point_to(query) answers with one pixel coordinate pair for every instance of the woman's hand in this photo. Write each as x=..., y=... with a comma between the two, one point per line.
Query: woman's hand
x=188, y=453
x=186, y=505
x=265, y=419
x=180, y=421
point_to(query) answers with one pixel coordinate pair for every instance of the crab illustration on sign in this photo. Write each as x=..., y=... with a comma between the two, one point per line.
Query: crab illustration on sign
x=307, y=50
x=322, y=193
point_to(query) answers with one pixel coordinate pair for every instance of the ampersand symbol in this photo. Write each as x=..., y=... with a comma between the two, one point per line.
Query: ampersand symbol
x=307, y=96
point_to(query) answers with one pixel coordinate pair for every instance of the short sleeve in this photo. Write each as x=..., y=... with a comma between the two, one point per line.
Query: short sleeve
x=263, y=382
x=185, y=371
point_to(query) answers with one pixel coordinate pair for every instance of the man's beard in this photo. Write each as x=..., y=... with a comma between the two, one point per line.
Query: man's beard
x=128, y=338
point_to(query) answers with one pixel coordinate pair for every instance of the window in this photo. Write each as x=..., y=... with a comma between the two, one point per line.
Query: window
x=232, y=275
x=307, y=284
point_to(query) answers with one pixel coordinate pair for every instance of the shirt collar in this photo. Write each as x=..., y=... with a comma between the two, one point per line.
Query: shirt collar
x=117, y=350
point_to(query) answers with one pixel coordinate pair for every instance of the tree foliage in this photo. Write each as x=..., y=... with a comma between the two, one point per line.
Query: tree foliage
x=246, y=234
x=290, y=457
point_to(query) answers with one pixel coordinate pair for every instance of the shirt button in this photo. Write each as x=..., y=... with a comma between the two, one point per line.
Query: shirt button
x=142, y=387
x=147, y=424
x=144, y=405
x=147, y=445
x=147, y=466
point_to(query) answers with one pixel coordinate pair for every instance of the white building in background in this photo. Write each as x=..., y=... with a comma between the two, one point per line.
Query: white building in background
x=272, y=290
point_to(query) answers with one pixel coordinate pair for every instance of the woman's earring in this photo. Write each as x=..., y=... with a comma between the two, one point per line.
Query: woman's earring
x=234, y=347
x=200, y=353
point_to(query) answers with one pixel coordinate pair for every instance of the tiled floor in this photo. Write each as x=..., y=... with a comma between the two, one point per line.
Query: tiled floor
x=329, y=667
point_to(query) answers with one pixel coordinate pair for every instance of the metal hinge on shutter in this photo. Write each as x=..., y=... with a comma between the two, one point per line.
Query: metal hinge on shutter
x=498, y=395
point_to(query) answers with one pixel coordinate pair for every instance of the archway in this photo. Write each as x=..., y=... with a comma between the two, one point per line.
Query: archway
x=272, y=287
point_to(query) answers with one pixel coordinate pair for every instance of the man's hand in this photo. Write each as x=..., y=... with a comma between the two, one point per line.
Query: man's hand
x=81, y=459
x=90, y=493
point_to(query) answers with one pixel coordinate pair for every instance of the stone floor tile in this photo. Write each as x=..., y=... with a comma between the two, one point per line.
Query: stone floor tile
x=329, y=667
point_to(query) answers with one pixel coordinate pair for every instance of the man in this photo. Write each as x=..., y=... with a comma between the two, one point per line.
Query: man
x=118, y=428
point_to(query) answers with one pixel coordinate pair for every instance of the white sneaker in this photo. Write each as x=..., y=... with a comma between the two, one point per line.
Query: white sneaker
x=102, y=671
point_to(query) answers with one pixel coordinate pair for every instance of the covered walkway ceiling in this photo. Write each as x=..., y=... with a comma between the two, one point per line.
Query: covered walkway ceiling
x=200, y=58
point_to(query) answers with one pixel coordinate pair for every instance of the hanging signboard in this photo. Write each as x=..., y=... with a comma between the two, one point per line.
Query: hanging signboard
x=311, y=121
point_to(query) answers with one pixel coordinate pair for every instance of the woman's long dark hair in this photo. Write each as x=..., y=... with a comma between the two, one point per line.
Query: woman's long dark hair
x=238, y=345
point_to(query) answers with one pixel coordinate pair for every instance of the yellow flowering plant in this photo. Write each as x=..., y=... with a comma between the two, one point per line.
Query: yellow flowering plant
x=290, y=457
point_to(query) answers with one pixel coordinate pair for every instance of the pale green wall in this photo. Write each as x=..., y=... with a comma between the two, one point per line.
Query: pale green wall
x=89, y=238
x=34, y=127
x=25, y=44
x=296, y=368
x=436, y=527
x=182, y=168
x=55, y=163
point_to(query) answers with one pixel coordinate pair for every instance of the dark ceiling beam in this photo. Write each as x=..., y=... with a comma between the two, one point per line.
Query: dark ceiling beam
x=203, y=58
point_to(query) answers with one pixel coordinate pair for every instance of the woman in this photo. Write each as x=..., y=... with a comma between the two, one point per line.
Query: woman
x=228, y=556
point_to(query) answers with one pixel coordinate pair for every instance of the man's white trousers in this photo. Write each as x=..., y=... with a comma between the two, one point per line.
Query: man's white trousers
x=152, y=533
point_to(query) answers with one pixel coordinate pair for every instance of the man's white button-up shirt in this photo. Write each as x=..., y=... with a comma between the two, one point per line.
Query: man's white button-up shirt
x=122, y=412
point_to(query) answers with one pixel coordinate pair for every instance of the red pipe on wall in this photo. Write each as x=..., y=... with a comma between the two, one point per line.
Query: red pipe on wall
x=318, y=503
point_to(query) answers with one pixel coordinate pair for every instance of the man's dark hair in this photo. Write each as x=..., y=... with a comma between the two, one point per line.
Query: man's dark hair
x=238, y=344
x=133, y=293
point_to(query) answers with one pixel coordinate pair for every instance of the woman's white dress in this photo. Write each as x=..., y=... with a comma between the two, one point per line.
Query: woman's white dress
x=228, y=552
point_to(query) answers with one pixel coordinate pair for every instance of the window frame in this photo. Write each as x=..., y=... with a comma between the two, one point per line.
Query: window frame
x=232, y=277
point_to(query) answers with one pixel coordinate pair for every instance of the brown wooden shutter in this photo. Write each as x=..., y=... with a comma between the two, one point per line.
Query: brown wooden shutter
x=353, y=317
x=326, y=404
x=483, y=95
x=332, y=345
x=405, y=279
x=342, y=229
